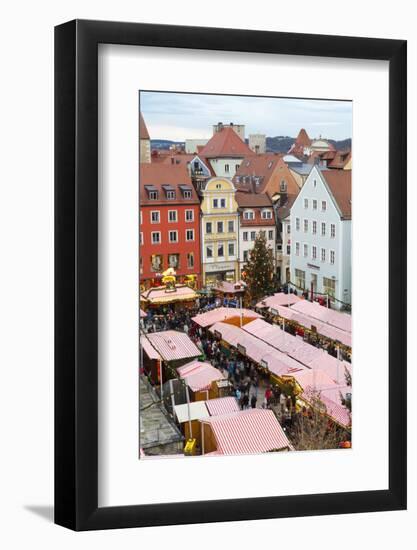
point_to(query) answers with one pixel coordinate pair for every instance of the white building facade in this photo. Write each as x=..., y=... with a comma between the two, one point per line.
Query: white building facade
x=320, y=236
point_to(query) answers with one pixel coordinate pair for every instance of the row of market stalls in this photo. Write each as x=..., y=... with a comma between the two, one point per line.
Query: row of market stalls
x=311, y=317
x=301, y=368
x=209, y=419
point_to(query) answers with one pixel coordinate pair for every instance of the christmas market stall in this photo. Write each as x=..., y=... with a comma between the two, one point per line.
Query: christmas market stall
x=229, y=293
x=315, y=330
x=296, y=348
x=202, y=380
x=189, y=415
x=163, y=352
x=251, y=431
x=169, y=297
x=234, y=316
x=278, y=299
x=314, y=388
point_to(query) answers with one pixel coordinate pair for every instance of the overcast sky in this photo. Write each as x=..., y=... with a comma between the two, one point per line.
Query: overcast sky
x=177, y=116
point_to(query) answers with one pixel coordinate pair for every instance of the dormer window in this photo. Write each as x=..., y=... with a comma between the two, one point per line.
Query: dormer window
x=186, y=191
x=152, y=192
x=169, y=191
x=266, y=215
x=283, y=186
x=248, y=215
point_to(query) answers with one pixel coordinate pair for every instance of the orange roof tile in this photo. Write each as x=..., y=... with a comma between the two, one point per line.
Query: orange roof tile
x=340, y=185
x=159, y=174
x=225, y=143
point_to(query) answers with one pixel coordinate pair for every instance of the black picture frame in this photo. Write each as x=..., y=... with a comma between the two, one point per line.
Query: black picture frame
x=76, y=271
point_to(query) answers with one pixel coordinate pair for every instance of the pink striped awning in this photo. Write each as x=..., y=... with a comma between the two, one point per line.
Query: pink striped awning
x=148, y=348
x=251, y=431
x=172, y=345
x=322, y=328
x=199, y=375
x=334, y=408
x=329, y=316
x=221, y=314
x=222, y=405
x=142, y=313
x=278, y=299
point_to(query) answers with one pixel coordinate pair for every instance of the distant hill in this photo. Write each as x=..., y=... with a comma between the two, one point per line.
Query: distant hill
x=281, y=144
x=277, y=144
x=165, y=143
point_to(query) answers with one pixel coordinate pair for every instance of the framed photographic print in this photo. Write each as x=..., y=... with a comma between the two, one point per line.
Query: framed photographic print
x=230, y=275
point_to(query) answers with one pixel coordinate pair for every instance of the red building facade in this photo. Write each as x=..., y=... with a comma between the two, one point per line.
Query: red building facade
x=169, y=224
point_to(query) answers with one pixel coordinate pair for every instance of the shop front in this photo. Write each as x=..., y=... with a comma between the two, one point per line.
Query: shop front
x=216, y=272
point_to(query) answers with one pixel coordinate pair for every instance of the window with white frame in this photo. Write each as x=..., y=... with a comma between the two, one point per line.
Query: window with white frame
x=156, y=237
x=226, y=168
x=332, y=230
x=270, y=234
x=209, y=228
x=314, y=228
x=314, y=252
x=231, y=249
x=231, y=226
x=173, y=236
x=332, y=256
x=306, y=203
x=305, y=226
x=189, y=235
x=297, y=249
x=187, y=194
x=305, y=250
x=323, y=206
x=323, y=229
x=220, y=250
x=189, y=215
x=266, y=215
x=252, y=235
x=323, y=254
x=153, y=195
x=245, y=255
x=222, y=203
x=314, y=204
x=209, y=251
x=155, y=216
x=170, y=195
x=245, y=235
x=248, y=215
x=297, y=224
x=219, y=227
x=172, y=216
x=215, y=203
x=190, y=259
x=288, y=249
x=288, y=229
x=283, y=186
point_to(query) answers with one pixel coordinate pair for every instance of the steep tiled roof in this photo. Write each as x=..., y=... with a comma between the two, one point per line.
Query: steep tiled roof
x=143, y=131
x=269, y=170
x=340, y=185
x=225, y=143
x=159, y=174
x=302, y=138
x=252, y=199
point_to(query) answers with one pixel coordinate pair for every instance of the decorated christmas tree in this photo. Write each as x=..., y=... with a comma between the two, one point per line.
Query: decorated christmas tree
x=259, y=270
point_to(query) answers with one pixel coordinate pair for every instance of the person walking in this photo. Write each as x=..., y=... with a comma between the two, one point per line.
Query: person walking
x=253, y=401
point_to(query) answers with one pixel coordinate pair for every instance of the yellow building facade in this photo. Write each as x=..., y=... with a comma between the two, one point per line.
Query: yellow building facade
x=219, y=232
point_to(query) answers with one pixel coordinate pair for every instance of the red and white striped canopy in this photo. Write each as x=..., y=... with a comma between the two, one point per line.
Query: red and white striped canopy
x=250, y=431
x=222, y=405
x=171, y=344
x=199, y=375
